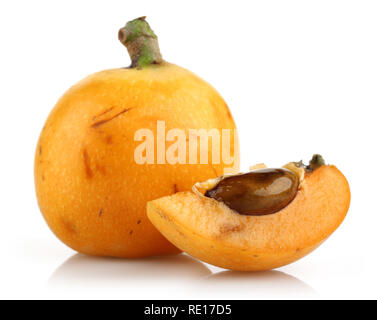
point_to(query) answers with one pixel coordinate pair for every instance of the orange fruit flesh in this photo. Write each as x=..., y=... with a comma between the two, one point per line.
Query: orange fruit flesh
x=211, y=232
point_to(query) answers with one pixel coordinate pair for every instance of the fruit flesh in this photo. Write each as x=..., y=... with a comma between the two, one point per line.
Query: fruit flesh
x=90, y=190
x=209, y=230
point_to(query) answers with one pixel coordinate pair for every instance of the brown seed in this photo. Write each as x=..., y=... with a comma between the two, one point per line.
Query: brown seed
x=259, y=192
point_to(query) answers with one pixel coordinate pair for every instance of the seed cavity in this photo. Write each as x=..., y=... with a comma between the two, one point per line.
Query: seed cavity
x=259, y=192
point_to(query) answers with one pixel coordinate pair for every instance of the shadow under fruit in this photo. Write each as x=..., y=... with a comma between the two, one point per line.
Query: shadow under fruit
x=90, y=190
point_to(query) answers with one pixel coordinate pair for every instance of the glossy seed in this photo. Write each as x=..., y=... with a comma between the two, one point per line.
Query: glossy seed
x=259, y=192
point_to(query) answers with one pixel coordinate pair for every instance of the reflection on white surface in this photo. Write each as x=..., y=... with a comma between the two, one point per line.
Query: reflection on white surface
x=170, y=277
x=254, y=285
x=81, y=269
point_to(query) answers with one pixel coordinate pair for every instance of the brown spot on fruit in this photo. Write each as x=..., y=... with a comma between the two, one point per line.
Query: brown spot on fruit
x=175, y=188
x=69, y=226
x=100, y=212
x=109, y=139
x=139, y=221
x=88, y=170
x=103, y=113
x=102, y=122
x=227, y=228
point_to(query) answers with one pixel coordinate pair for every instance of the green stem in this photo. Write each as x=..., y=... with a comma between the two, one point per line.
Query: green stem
x=141, y=43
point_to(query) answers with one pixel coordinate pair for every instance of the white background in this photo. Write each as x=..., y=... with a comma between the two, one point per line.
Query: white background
x=300, y=78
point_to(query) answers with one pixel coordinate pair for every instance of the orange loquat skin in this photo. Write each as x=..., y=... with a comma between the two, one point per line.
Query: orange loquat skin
x=210, y=231
x=89, y=188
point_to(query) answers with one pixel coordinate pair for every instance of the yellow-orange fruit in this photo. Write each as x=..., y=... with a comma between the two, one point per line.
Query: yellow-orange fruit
x=90, y=190
x=209, y=230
